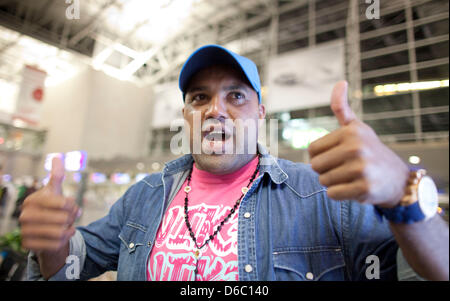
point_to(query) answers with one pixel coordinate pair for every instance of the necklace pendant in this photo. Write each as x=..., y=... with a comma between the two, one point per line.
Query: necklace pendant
x=244, y=190
x=197, y=254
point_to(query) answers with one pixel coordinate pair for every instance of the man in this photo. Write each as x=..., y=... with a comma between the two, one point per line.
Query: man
x=224, y=214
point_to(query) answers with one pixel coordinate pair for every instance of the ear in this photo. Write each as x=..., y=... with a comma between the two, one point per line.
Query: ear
x=261, y=111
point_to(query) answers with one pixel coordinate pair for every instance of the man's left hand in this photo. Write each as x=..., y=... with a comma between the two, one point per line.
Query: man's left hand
x=352, y=161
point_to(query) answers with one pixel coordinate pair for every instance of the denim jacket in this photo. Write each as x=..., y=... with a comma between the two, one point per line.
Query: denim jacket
x=288, y=229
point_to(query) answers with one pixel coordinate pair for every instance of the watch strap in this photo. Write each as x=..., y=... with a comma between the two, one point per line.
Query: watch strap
x=401, y=214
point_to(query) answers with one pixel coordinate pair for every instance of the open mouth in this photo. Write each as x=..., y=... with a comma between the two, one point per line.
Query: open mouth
x=216, y=136
x=216, y=140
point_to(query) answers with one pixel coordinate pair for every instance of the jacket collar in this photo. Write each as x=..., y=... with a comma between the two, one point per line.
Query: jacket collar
x=268, y=164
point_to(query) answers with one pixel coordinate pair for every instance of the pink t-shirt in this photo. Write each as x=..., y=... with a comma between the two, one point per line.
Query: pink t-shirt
x=210, y=200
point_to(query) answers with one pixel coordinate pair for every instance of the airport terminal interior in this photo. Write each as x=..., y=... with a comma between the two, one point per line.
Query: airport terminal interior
x=96, y=82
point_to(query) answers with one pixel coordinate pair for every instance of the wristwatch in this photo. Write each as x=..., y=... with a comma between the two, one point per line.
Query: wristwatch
x=420, y=201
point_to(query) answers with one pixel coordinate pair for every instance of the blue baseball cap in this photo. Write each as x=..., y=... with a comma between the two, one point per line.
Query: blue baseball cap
x=210, y=55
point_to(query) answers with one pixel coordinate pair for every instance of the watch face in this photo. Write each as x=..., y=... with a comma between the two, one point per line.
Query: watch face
x=428, y=197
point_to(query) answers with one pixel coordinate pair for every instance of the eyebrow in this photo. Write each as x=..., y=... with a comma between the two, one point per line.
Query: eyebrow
x=236, y=87
x=197, y=89
x=227, y=88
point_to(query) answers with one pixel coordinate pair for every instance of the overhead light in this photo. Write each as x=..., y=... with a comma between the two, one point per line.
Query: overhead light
x=155, y=165
x=301, y=139
x=390, y=89
x=263, y=91
x=414, y=159
x=287, y=133
x=19, y=123
x=161, y=18
x=285, y=116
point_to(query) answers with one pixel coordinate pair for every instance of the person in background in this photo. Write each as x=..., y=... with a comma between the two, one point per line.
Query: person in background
x=28, y=186
x=8, y=195
x=3, y=193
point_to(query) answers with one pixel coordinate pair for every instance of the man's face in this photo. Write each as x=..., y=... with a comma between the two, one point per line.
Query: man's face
x=227, y=108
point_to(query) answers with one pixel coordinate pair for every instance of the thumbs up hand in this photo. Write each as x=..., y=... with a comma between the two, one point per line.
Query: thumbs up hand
x=56, y=176
x=47, y=217
x=353, y=163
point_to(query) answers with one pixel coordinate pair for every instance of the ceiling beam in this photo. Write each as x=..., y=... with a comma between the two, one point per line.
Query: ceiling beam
x=92, y=24
x=223, y=16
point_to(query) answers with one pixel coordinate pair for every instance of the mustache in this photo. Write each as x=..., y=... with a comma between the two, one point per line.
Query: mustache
x=212, y=124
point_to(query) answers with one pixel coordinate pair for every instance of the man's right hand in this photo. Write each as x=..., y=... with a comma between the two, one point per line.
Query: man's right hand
x=47, y=217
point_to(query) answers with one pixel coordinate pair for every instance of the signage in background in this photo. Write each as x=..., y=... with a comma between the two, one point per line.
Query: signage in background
x=304, y=78
x=97, y=178
x=73, y=161
x=120, y=178
x=30, y=96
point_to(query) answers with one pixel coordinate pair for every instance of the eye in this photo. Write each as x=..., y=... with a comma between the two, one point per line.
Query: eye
x=237, y=95
x=199, y=97
x=237, y=98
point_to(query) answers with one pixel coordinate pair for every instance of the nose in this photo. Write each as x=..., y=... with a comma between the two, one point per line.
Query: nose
x=217, y=108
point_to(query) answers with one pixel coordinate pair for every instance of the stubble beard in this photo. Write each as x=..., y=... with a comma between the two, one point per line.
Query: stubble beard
x=228, y=160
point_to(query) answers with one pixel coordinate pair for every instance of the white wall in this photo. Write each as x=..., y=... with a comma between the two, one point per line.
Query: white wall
x=99, y=114
x=64, y=113
x=118, y=118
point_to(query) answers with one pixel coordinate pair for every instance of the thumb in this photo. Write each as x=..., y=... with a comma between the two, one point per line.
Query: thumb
x=339, y=104
x=56, y=176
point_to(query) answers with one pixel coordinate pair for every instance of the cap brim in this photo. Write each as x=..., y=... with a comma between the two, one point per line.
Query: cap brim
x=210, y=55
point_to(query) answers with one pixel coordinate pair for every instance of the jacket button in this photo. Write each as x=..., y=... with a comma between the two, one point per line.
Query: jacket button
x=248, y=268
x=247, y=215
x=309, y=276
x=131, y=245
